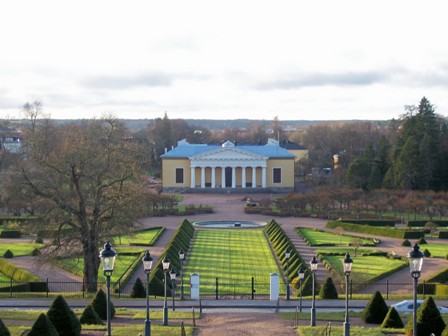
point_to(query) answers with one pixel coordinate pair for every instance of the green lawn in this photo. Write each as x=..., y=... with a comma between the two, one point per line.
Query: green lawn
x=143, y=237
x=316, y=238
x=436, y=250
x=343, y=250
x=19, y=249
x=366, y=268
x=232, y=256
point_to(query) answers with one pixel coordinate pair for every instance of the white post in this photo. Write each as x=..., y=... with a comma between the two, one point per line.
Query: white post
x=213, y=177
x=274, y=291
x=233, y=177
x=263, y=178
x=254, y=177
x=202, y=177
x=194, y=284
x=223, y=177
x=243, y=177
x=193, y=177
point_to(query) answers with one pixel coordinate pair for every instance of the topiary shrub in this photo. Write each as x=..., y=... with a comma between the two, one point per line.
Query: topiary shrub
x=3, y=330
x=406, y=243
x=392, y=319
x=138, y=290
x=99, y=303
x=376, y=310
x=8, y=254
x=39, y=240
x=429, y=320
x=90, y=316
x=35, y=252
x=43, y=326
x=426, y=253
x=328, y=290
x=63, y=318
x=422, y=241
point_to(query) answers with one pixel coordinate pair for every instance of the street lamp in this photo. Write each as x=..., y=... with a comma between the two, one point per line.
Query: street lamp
x=147, y=265
x=347, y=269
x=182, y=256
x=166, y=267
x=107, y=260
x=173, y=279
x=313, y=266
x=415, y=263
x=287, y=255
x=301, y=276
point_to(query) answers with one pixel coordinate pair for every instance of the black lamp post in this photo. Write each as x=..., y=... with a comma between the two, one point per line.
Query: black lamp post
x=415, y=263
x=347, y=269
x=107, y=260
x=182, y=256
x=313, y=266
x=301, y=276
x=166, y=267
x=147, y=265
x=287, y=255
x=173, y=284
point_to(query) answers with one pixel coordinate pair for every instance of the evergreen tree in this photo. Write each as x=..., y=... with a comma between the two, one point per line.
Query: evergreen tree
x=376, y=310
x=328, y=290
x=138, y=290
x=429, y=320
x=99, y=304
x=392, y=319
x=43, y=326
x=3, y=330
x=63, y=318
x=90, y=316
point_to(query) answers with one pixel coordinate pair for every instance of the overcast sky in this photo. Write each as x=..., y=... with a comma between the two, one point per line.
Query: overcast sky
x=311, y=60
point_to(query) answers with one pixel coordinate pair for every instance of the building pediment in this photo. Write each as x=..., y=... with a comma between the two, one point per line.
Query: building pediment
x=228, y=154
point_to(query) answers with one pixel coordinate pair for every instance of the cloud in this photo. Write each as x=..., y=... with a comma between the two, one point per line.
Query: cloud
x=126, y=82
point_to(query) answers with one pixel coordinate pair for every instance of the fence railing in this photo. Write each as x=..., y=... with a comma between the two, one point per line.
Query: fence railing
x=217, y=290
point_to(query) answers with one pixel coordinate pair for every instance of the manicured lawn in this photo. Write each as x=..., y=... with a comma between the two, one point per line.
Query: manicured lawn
x=316, y=238
x=348, y=249
x=19, y=249
x=143, y=237
x=232, y=256
x=366, y=268
x=436, y=250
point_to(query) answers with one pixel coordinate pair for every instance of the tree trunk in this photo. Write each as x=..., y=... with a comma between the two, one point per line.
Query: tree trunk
x=91, y=264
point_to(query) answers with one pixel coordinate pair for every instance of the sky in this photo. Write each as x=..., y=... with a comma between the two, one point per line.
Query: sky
x=294, y=60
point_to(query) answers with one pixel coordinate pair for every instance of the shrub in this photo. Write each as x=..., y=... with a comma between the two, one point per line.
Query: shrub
x=90, y=316
x=392, y=319
x=63, y=318
x=99, y=304
x=10, y=234
x=35, y=252
x=429, y=320
x=8, y=254
x=421, y=241
x=445, y=332
x=3, y=330
x=39, y=240
x=376, y=310
x=328, y=290
x=43, y=326
x=426, y=253
x=138, y=290
x=406, y=243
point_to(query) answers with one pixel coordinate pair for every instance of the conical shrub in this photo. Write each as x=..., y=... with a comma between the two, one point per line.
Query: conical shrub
x=376, y=310
x=63, y=318
x=328, y=290
x=99, y=304
x=90, y=316
x=138, y=290
x=392, y=319
x=3, y=330
x=429, y=320
x=43, y=326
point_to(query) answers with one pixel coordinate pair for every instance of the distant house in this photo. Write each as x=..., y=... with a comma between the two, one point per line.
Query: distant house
x=297, y=150
x=228, y=168
x=10, y=140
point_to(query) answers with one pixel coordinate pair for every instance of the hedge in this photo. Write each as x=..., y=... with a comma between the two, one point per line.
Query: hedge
x=443, y=234
x=387, y=232
x=29, y=281
x=10, y=234
x=370, y=222
x=421, y=223
x=441, y=277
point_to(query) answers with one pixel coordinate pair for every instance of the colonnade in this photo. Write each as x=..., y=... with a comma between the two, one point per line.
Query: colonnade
x=229, y=176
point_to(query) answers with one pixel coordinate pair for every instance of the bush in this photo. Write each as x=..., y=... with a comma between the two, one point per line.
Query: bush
x=392, y=319
x=8, y=254
x=376, y=310
x=10, y=234
x=445, y=332
x=90, y=316
x=406, y=243
x=99, y=304
x=3, y=330
x=63, y=318
x=43, y=326
x=39, y=240
x=421, y=241
x=426, y=253
x=328, y=290
x=35, y=252
x=429, y=320
x=138, y=290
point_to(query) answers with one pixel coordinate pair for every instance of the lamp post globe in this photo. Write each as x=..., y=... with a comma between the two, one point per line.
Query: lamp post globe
x=415, y=257
x=147, y=266
x=166, y=267
x=313, y=267
x=107, y=256
x=347, y=263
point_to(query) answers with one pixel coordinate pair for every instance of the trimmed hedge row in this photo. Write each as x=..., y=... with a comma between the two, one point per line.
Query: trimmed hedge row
x=280, y=242
x=374, y=242
x=10, y=234
x=180, y=241
x=387, y=232
x=29, y=282
x=443, y=234
x=370, y=222
x=440, y=277
x=421, y=223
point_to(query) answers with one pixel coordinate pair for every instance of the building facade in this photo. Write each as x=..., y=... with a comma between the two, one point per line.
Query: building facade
x=227, y=168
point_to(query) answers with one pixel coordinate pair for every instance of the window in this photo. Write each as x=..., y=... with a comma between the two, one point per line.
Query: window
x=277, y=175
x=179, y=175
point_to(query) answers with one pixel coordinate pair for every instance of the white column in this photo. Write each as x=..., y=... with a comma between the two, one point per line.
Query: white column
x=213, y=177
x=243, y=177
x=254, y=177
x=193, y=177
x=202, y=177
x=263, y=177
x=223, y=177
x=233, y=177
